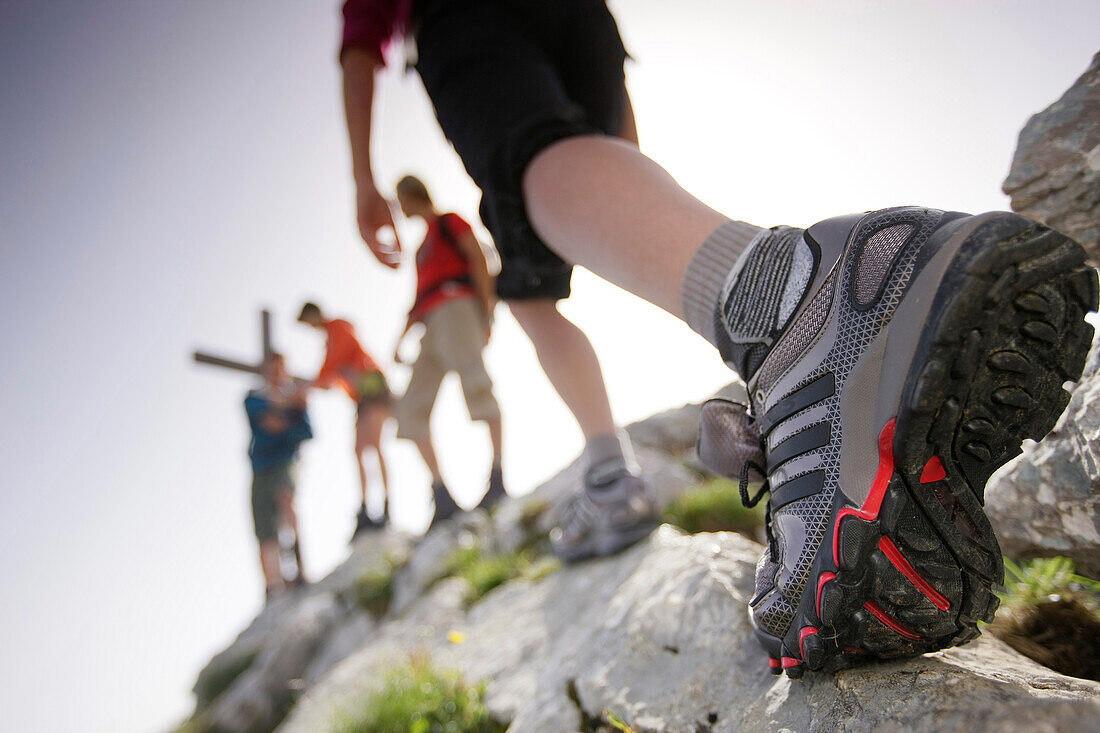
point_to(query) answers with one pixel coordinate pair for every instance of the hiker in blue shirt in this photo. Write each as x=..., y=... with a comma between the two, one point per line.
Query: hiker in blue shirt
x=279, y=423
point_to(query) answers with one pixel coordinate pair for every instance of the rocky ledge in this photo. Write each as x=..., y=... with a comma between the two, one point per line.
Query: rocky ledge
x=660, y=637
x=657, y=636
x=1055, y=174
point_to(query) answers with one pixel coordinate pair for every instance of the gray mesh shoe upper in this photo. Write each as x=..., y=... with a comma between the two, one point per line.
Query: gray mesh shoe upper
x=815, y=393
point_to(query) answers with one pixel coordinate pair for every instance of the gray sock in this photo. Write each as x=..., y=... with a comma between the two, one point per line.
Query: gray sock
x=739, y=294
x=708, y=271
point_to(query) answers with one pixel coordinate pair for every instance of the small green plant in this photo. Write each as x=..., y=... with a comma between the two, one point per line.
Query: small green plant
x=485, y=571
x=196, y=724
x=1052, y=615
x=541, y=567
x=714, y=506
x=532, y=511
x=616, y=722
x=418, y=698
x=374, y=588
x=1046, y=579
x=216, y=679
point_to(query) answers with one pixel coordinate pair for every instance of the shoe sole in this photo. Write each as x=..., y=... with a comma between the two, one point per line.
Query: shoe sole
x=912, y=569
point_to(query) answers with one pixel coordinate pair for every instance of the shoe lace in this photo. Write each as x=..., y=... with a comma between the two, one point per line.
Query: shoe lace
x=751, y=501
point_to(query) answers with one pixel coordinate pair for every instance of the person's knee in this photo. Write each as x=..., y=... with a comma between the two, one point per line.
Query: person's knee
x=477, y=388
x=413, y=422
x=534, y=315
x=284, y=501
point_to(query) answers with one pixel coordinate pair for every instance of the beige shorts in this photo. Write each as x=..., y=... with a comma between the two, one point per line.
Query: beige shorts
x=453, y=338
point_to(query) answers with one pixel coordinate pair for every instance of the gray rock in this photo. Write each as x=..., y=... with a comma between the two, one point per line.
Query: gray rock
x=350, y=634
x=423, y=626
x=426, y=563
x=258, y=698
x=1055, y=174
x=1047, y=501
x=672, y=431
x=660, y=636
x=231, y=662
x=369, y=550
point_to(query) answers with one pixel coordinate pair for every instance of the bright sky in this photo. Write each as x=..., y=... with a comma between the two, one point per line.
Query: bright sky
x=168, y=168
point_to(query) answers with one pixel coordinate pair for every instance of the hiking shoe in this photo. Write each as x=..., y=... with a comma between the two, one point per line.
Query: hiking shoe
x=445, y=506
x=616, y=509
x=364, y=523
x=927, y=346
x=496, y=490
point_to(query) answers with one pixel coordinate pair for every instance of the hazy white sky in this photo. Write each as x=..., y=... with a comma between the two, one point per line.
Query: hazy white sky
x=168, y=168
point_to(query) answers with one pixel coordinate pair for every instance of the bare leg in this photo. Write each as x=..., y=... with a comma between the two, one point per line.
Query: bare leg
x=496, y=435
x=288, y=517
x=385, y=478
x=598, y=202
x=368, y=436
x=570, y=363
x=427, y=452
x=271, y=564
x=362, y=442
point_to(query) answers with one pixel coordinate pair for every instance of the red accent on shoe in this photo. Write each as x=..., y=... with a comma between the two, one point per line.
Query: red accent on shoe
x=821, y=581
x=933, y=471
x=773, y=662
x=855, y=650
x=790, y=662
x=802, y=634
x=873, y=503
x=895, y=556
x=889, y=621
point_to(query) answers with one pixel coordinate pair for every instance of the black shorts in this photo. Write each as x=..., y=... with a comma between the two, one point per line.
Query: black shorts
x=508, y=78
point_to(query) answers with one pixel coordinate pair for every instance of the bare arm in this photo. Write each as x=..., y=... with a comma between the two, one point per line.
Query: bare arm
x=400, y=339
x=373, y=212
x=479, y=272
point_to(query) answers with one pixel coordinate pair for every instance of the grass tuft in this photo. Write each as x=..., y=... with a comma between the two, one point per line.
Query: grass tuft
x=418, y=698
x=1051, y=615
x=616, y=722
x=374, y=588
x=485, y=571
x=1046, y=579
x=217, y=680
x=714, y=506
x=532, y=511
x=196, y=724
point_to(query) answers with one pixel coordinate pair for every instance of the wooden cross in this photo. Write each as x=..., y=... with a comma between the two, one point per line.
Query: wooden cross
x=203, y=357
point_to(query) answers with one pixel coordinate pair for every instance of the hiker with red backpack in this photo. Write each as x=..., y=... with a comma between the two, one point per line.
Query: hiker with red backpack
x=455, y=297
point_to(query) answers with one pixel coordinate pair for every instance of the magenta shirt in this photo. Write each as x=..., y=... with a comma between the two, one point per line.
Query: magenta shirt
x=371, y=24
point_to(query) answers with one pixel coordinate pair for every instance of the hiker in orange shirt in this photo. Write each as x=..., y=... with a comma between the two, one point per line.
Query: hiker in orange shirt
x=348, y=365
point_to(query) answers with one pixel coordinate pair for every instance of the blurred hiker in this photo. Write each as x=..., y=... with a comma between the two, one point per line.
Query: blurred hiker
x=454, y=301
x=348, y=365
x=277, y=417
x=893, y=358
x=615, y=507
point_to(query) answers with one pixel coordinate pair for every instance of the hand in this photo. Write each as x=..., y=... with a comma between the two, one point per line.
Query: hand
x=374, y=215
x=489, y=307
x=300, y=396
x=397, y=356
x=273, y=422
